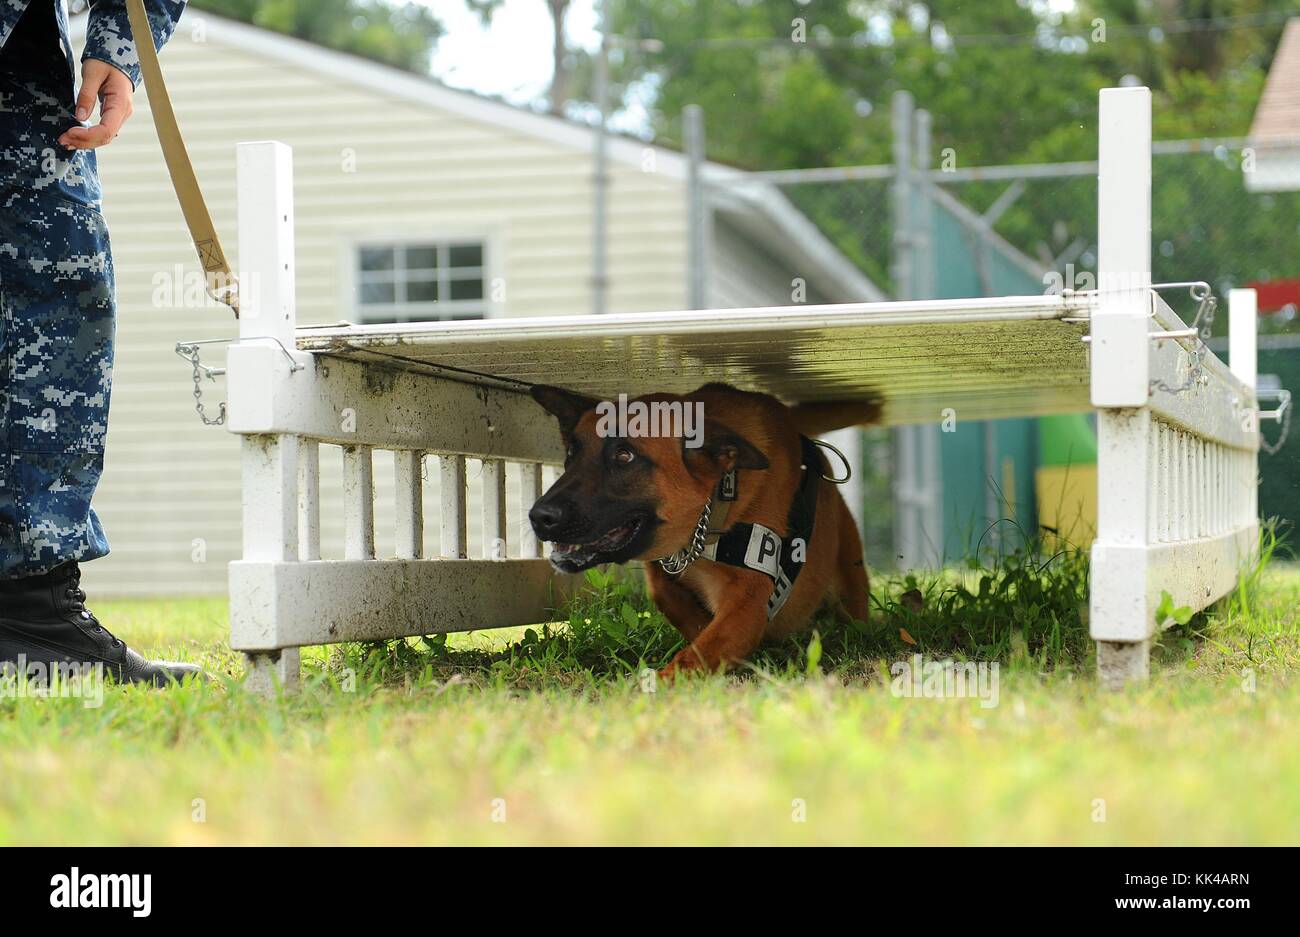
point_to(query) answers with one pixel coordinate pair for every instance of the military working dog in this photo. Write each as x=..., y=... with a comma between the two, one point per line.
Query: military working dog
x=742, y=534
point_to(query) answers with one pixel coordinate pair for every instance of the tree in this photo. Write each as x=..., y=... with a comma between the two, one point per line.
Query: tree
x=400, y=34
x=791, y=82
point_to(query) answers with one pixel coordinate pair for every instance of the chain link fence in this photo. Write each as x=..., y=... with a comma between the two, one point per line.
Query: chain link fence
x=1023, y=229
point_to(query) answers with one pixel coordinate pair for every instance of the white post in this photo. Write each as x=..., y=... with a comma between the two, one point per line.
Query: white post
x=408, y=468
x=494, y=509
x=270, y=477
x=530, y=489
x=264, y=179
x=1243, y=319
x=309, y=500
x=1120, y=621
x=358, y=503
x=264, y=194
x=455, y=539
x=1121, y=320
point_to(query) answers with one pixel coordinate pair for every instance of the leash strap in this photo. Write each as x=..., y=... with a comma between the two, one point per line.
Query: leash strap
x=218, y=278
x=753, y=546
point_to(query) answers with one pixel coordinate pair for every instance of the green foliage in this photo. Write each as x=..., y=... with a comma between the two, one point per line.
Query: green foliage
x=1025, y=608
x=1005, y=81
x=1025, y=602
x=401, y=34
x=1166, y=612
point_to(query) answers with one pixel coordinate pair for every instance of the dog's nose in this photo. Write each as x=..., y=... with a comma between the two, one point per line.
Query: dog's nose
x=547, y=517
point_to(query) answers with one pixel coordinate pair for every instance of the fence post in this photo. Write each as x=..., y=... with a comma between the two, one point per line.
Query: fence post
x=600, y=176
x=930, y=460
x=906, y=534
x=264, y=193
x=1120, y=620
x=1243, y=320
x=1243, y=360
x=901, y=261
x=922, y=221
x=697, y=212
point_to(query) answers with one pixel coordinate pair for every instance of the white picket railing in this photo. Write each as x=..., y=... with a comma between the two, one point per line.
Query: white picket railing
x=283, y=595
x=1178, y=432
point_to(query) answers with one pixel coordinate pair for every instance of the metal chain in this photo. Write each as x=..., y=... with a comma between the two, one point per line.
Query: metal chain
x=676, y=563
x=1204, y=312
x=1203, y=322
x=191, y=354
x=1195, y=376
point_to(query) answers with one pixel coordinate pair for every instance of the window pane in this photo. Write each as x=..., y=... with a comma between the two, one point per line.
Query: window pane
x=372, y=293
x=376, y=258
x=466, y=289
x=466, y=255
x=421, y=258
x=421, y=290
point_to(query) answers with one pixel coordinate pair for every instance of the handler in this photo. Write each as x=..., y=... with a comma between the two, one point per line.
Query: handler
x=56, y=326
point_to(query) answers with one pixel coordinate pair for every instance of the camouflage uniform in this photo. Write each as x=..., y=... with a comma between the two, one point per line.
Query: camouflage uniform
x=56, y=285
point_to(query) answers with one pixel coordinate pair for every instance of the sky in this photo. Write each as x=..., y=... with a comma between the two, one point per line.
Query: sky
x=512, y=58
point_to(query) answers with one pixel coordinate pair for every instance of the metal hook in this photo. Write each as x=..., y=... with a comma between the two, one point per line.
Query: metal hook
x=848, y=469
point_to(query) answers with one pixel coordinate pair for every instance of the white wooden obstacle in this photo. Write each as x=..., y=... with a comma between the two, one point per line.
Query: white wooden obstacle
x=1178, y=431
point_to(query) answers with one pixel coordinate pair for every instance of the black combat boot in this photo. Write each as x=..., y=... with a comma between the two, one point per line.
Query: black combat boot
x=44, y=620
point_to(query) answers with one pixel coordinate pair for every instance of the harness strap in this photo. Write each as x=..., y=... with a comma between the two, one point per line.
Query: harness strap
x=753, y=546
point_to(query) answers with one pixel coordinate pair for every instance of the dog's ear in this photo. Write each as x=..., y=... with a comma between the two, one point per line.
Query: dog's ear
x=564, y=405
x=728, y=450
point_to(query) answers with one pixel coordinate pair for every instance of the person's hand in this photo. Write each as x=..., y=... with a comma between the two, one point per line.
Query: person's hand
x=100, y=81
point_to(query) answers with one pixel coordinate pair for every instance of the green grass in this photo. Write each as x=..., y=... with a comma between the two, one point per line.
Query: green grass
x=424, y=741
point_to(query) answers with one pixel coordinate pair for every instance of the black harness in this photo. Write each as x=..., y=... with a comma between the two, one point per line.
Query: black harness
x=753, y=546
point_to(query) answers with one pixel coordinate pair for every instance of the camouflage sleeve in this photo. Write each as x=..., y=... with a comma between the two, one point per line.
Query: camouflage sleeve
x=108, y=32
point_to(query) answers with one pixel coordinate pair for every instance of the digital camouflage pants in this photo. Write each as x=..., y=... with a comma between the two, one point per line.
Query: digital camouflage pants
x=56, y=329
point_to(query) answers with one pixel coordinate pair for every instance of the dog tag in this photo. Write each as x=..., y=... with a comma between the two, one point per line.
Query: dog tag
x=763, y=552
x=727, y=487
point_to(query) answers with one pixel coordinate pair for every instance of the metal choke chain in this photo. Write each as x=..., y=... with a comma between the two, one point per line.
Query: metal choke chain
x=676, y=563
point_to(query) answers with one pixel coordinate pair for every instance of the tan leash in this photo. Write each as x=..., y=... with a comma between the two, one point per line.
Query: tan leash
x=218, y=278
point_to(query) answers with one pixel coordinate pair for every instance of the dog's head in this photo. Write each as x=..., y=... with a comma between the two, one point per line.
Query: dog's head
x=627, y=494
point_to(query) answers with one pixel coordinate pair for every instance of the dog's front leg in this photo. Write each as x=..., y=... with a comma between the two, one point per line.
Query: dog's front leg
x=678, y=603
x=733, y=634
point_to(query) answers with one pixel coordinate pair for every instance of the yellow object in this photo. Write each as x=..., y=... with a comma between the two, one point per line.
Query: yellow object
x=1067, y=502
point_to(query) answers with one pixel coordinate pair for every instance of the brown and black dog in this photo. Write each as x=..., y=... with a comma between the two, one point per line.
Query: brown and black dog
x=645, y=497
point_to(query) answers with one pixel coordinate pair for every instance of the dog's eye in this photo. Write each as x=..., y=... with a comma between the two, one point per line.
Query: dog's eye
x=623, y=455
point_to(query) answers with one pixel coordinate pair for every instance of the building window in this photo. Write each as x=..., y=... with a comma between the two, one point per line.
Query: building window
x=420, y=281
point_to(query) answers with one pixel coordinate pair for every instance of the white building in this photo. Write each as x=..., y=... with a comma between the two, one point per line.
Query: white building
x=413, y=201
x=1275, y=128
